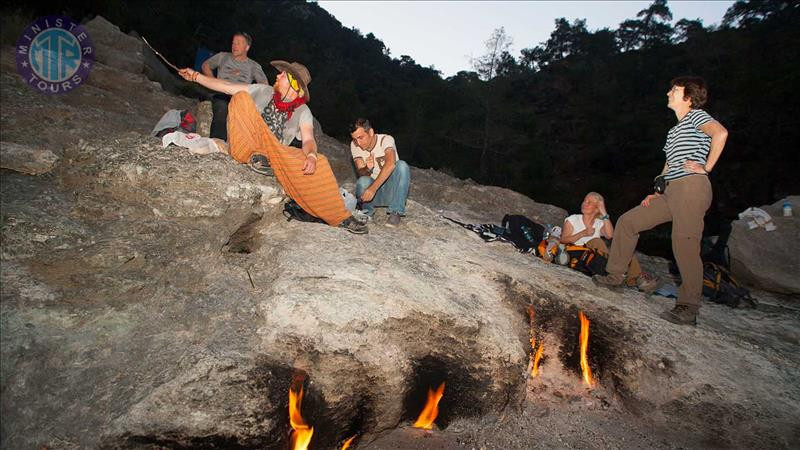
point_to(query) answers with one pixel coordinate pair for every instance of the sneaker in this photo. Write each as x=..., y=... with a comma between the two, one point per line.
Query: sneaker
x=394, y=220
x=647, y=283
x=260, y=164
x=607, y=281
x=361, y=216
x=352, y=225
x=680, y=315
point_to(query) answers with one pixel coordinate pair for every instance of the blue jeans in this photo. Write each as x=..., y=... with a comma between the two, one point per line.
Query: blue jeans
x=393, y=193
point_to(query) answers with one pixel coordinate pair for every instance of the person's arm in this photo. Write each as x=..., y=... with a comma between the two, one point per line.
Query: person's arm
x=210, y=64
x=215, y=84
x=568, y=235
x=646, y=201
x=383, y=175
x=309, y=148
x=718, y=135
x=608, y=228
x=206, y=68
x=361, y=167
x=259, y=76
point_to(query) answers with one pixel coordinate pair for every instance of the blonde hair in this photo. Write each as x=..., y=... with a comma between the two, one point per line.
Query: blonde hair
x=598, y=197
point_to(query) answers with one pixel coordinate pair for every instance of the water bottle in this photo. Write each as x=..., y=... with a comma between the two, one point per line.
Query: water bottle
x=787, y=209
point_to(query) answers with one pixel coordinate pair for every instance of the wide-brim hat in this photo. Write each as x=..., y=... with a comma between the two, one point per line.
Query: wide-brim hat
x=298, y=71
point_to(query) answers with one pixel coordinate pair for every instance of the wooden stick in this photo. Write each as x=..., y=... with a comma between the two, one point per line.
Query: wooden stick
x=160, y=55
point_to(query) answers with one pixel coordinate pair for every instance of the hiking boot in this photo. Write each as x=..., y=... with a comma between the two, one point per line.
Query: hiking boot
x=608, y=281
x=680, y=315
x=647, y=283
x=394, y=220
x=260, y=164
x=361, y=216
x=354, y=226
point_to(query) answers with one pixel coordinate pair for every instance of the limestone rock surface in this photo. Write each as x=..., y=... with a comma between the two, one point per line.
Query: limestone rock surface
x=24, y=159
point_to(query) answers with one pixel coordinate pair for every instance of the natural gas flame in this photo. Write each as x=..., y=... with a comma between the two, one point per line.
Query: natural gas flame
x=431, y=410
x=584, y=340
x=535, y=371
x=301, y=434
x=535, y=355
x=346, y=444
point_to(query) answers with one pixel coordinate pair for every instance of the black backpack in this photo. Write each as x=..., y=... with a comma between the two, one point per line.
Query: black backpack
x=524, y=233
x=586, y=260
x=720, y=287
x=293, y=211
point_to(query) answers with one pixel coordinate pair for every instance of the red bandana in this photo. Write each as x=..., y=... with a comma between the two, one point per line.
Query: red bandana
x=287, y=106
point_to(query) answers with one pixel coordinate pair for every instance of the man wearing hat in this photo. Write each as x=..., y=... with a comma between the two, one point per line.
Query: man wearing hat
x=263, y=120
x=236, y=67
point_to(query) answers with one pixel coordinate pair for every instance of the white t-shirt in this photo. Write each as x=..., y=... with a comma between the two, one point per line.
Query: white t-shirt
x=576, y=220
x=383, y=143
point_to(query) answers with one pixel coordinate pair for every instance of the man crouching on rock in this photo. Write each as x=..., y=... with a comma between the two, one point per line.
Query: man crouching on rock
x=384, y=178
x=263, y=120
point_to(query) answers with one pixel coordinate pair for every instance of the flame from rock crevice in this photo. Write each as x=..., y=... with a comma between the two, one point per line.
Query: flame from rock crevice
x=536, y=355
x=584, y=342
x=347, y=443
x=535, y=370
x=431, y=410
x=301, y=432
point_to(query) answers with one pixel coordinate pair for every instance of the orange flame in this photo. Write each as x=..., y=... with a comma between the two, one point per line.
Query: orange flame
x=301, y=434
x=584, y=341
x=431, y=410
x=346, y=444
x=535, y=371
x=535, y=355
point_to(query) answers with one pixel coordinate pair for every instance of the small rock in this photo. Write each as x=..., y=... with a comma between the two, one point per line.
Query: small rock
x=28, y=160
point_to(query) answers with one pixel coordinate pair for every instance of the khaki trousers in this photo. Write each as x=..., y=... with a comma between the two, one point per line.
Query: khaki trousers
x=317, y=193
x=684, y=202
x=634, y=268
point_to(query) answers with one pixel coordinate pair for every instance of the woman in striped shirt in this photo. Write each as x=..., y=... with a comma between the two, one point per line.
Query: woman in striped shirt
x=693, y=148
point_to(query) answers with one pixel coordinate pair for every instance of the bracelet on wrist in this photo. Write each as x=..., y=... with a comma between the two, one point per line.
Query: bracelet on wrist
x=313, y=155
x=605, y=217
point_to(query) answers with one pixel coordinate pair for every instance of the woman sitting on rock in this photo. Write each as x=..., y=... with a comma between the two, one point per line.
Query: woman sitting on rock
x=587, y=230
x=263, y=120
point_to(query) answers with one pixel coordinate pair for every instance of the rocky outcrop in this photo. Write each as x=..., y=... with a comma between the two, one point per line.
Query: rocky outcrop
x=114, y=48
x=768, y=259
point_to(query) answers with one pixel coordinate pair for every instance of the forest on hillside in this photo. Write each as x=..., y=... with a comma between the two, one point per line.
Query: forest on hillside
x=585, y=110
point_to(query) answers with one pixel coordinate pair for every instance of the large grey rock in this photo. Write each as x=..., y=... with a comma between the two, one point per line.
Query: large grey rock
x=768, y=259
x=24, y=159
x=475, y=203
x=154, y=69
x=115, y=48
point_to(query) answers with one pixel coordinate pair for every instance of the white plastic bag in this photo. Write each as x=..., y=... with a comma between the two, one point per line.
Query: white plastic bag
x=349, y=199
x=757, y=217
x=196, y=144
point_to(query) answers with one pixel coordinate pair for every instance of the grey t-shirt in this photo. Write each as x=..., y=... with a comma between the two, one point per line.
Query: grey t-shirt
x=262, y=94
x=235, y=71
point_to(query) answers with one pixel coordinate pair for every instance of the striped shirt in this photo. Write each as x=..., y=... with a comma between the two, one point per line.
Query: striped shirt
x=685, y=142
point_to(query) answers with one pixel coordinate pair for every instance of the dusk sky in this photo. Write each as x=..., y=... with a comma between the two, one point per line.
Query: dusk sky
x=445, y=34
